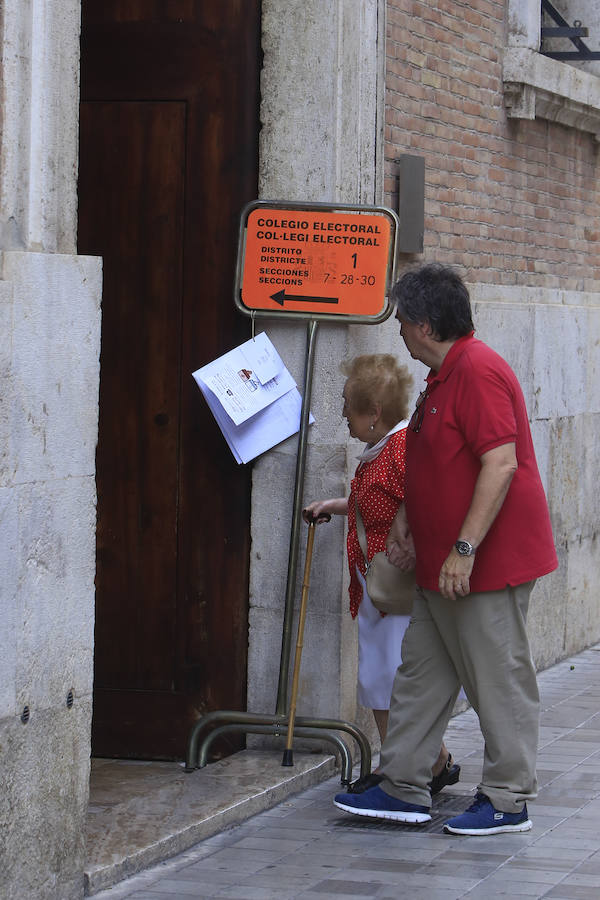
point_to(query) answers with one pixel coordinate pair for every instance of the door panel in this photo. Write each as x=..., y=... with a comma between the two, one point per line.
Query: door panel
x=137, y=457
x=168, y=157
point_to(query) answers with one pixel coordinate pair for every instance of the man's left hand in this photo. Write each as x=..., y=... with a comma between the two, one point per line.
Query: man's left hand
x=454, y=576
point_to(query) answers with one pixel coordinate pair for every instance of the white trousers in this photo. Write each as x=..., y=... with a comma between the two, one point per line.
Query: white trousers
x=379, y=652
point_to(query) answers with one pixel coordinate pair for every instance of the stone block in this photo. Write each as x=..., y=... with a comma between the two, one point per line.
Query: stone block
x=7, y=461
x=573, y=489
x=319, y=678
x=264, y=653
x=582, y=620
x=54, y=364
x=56, y=563
x=548, y=612
x=50, y=361
x=559, y=361
x=589, y=484
x=508, y=329
x=11, y=618
x=591, y=351
x=541, y=433
x=564, y=481
x=339, y=115
x=44, y=783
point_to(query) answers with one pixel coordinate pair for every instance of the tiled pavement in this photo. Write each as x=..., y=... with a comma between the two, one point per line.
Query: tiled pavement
x=306, y=848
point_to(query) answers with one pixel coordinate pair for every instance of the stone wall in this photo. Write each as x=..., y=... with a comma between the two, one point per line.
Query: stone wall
x=49, y=352
x=322, y=118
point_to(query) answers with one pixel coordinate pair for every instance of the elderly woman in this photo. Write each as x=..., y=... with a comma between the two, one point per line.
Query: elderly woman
x=376, y=406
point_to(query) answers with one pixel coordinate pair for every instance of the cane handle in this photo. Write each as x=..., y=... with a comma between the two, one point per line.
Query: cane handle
x=313, y=520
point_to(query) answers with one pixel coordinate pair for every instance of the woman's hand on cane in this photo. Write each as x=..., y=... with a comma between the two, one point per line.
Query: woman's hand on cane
x=320, y=511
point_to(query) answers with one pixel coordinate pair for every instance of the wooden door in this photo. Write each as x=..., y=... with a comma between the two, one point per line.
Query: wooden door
x=168, y=157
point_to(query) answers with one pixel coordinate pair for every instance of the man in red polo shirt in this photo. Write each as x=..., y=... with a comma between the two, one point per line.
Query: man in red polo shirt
x=476, y=516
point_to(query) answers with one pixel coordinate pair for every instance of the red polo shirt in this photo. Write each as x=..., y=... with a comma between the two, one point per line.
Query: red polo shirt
x=473, y=404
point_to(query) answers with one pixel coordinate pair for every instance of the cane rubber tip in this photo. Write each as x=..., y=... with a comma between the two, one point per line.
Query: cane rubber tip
x=288, y=758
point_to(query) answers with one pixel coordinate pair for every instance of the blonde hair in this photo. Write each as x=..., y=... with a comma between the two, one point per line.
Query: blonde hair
x=378, y=378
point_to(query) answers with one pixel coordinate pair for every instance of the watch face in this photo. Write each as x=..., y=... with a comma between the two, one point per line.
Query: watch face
x=464, y=548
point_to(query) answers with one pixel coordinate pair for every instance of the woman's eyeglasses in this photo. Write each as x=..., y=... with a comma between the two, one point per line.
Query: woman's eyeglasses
x=416, y=420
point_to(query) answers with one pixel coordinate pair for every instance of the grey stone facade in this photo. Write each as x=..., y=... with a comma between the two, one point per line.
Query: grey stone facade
x=50, y=326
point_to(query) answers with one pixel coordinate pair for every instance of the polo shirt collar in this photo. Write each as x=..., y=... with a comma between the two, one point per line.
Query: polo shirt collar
x=454, y=353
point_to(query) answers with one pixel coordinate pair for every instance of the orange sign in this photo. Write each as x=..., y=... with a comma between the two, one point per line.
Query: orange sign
x=316, y=262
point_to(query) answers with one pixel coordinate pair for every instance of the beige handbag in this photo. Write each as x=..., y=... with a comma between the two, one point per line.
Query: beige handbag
x=390, y=589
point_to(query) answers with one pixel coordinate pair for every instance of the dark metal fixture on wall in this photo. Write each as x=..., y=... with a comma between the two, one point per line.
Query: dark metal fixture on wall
x=562, y=29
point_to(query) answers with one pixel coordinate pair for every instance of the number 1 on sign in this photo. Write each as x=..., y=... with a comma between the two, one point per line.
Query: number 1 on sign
x=354, y=257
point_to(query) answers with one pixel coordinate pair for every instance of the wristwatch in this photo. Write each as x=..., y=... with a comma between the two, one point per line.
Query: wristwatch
x=465, y=548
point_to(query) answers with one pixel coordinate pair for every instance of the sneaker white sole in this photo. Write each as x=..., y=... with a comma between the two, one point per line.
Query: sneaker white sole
x=408, y=818
x=500, y=829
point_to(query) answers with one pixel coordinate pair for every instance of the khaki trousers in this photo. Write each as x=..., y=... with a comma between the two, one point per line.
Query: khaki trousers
x=479, y=641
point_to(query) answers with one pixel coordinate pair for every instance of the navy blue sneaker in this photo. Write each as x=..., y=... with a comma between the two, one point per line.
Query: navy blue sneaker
x=376, y=804
x=483, y=818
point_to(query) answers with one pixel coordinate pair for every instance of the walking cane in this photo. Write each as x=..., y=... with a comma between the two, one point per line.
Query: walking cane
x=288, y=753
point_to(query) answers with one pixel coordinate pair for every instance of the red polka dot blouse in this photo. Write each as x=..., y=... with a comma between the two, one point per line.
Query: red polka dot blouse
x=378, y=486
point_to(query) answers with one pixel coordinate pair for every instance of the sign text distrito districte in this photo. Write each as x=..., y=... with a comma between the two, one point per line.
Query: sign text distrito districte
x=308, y=261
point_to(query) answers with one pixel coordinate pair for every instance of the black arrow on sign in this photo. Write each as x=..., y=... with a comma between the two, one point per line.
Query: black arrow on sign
x=281, y=297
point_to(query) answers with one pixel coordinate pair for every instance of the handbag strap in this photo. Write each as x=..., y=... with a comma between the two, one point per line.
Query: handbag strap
x=360, y=532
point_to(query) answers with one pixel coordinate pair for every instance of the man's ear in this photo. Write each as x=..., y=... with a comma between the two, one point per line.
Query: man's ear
x=425, y=329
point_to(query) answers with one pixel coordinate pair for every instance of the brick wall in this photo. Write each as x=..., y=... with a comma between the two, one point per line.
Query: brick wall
x=514, y=202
